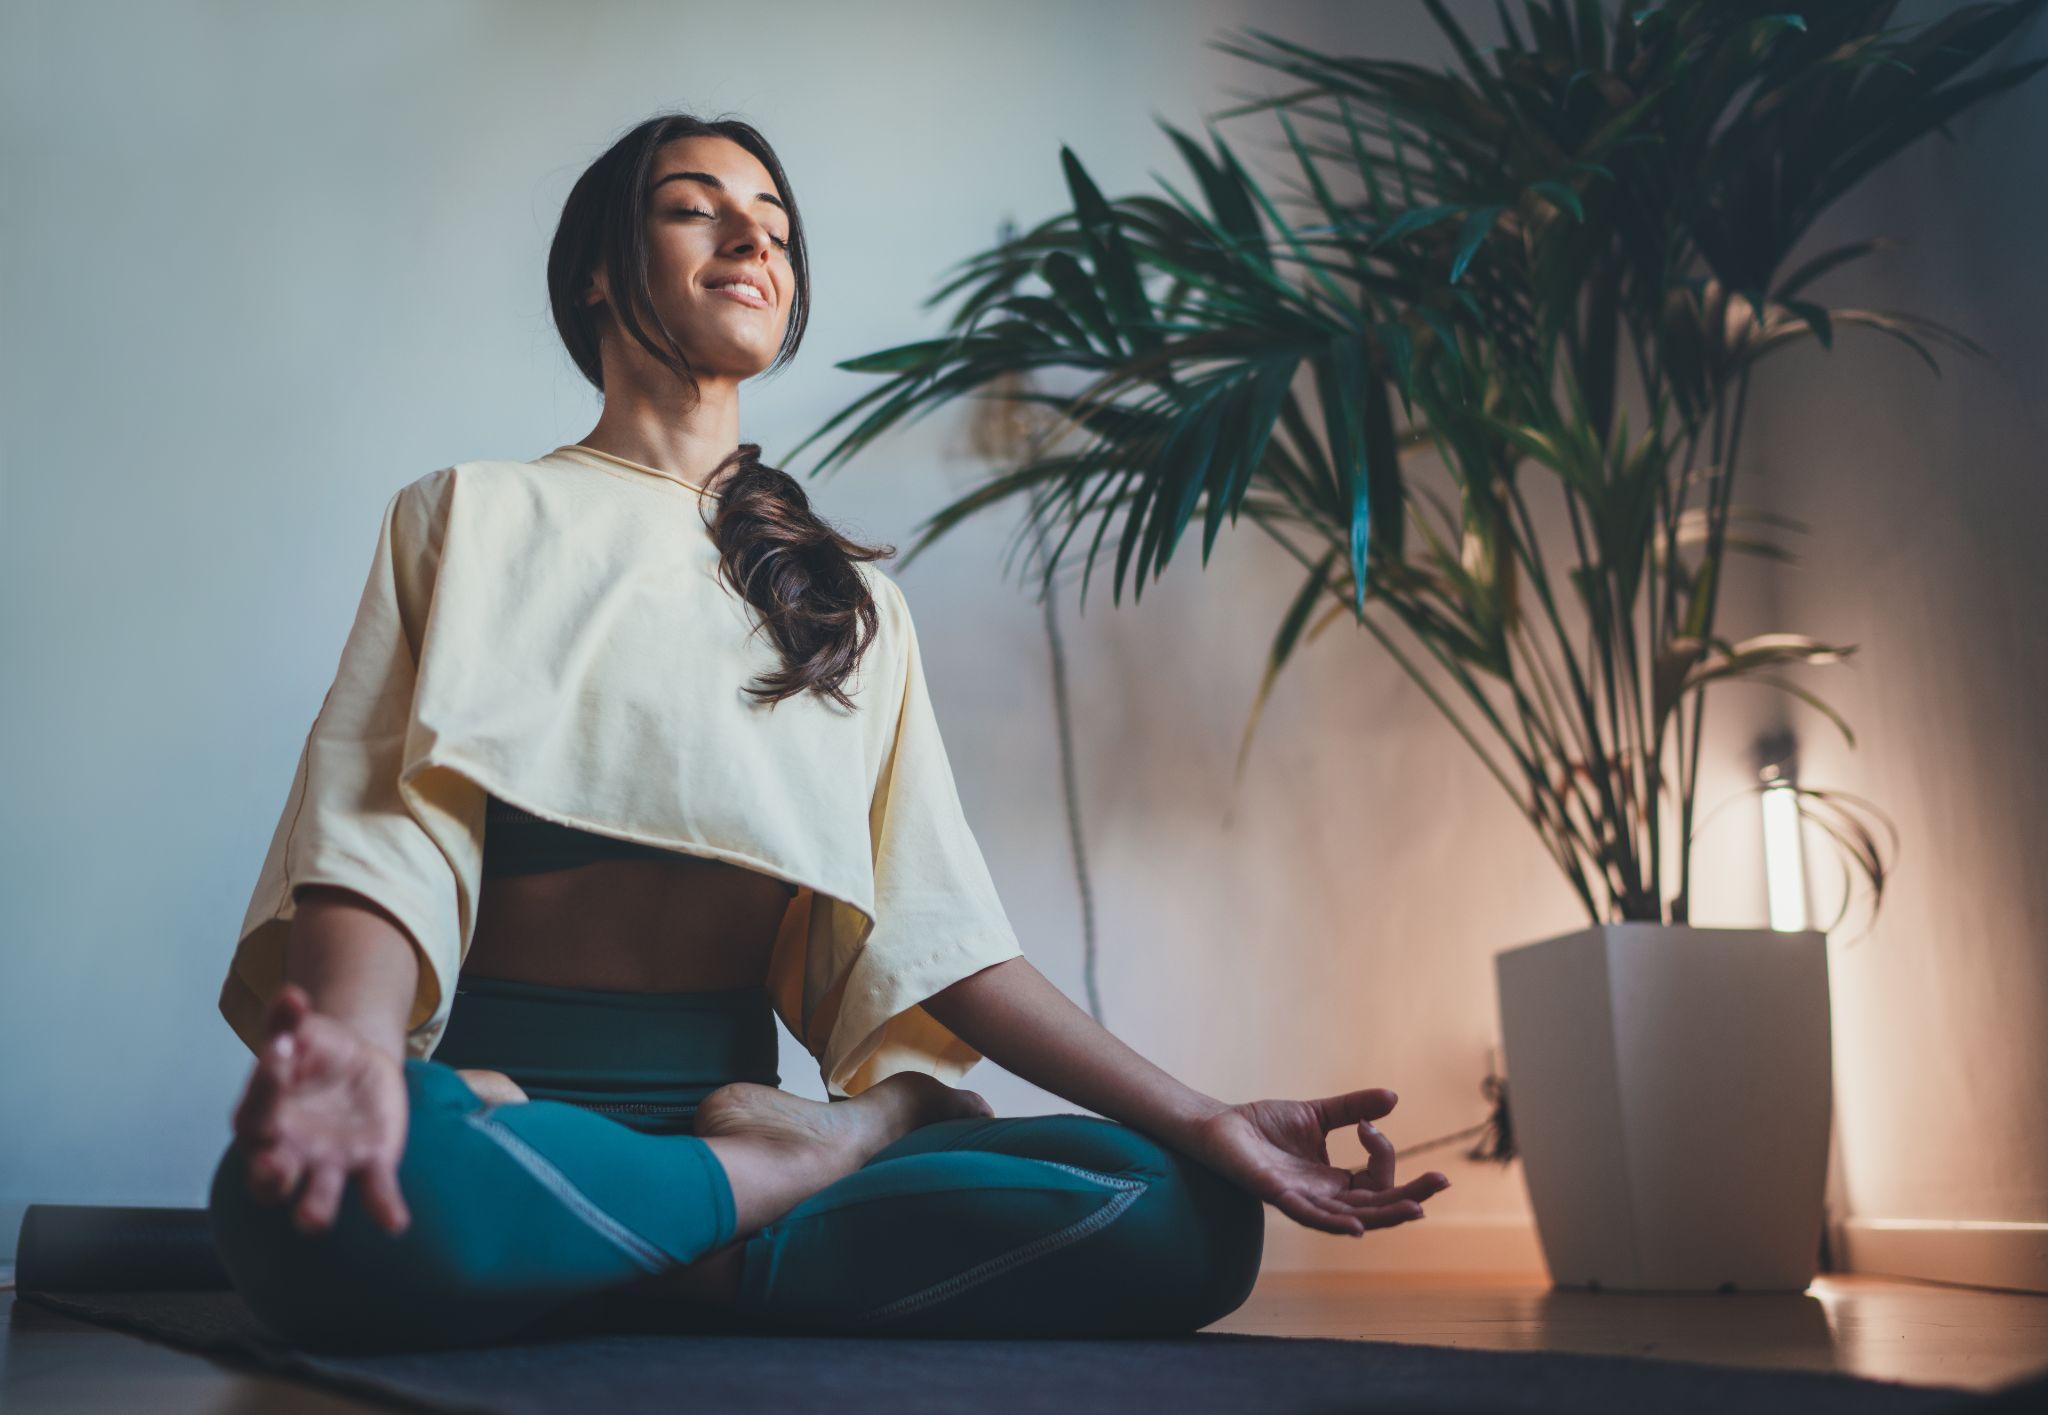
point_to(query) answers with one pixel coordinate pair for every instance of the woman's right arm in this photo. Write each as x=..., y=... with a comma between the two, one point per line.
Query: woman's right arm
x=326, y=1102
x=354, y=961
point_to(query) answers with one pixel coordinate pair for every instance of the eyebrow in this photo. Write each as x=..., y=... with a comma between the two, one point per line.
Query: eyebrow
x=717, y=186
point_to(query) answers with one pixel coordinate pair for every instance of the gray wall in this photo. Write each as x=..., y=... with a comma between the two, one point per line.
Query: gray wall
x=266, y=263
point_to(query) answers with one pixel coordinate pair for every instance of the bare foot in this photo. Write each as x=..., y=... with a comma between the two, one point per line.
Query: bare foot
x=779, y=1149
x=856, y=1128
x=493, y=1086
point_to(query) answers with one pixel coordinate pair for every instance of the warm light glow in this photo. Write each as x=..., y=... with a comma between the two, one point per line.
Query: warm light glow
x=1784, y=857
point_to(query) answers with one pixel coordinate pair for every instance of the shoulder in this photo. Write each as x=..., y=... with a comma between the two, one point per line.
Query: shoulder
x=438, y=485
x=880, y=584
x=417, y=513
x=893, y=607
x=424, y=503
x=477, y=474
x=886, y=655
x=429, y=490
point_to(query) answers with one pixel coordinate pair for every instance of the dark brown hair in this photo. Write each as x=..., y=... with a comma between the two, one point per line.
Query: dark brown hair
x=775, y=552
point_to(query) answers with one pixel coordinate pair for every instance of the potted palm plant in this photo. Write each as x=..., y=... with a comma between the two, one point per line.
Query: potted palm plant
x=1509, y=331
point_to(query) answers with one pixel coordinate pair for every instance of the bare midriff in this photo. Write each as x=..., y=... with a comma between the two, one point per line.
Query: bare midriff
x=687, y=924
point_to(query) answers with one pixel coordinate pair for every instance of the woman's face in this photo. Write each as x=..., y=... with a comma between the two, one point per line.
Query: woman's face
x=713, y=217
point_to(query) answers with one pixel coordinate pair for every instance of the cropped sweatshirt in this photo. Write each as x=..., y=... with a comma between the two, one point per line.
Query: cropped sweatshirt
x=554, y=633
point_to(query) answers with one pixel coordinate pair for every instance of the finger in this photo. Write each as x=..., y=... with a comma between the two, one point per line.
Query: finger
x=1303, y=1210
x=286, y=1009
x=322, y=1198
x=1390, y=1217
x=1357, y=1202
x=1359, y=1218
x=256, y=1117
x=1420, y=1188
x=1361, y=1106
x=1379, y=1167
x=259, y=1097
x=1339, y=1218
x=275, y=1055
x=274, y=1173
x=1335, y=1220
x=384, y=1199
x=282, y=1053
x=288, y=1058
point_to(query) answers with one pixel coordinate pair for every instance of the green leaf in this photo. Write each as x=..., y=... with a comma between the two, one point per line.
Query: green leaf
x=1269, y=390
x=897, y=359
x=1475, y=230
x=1186, y=472
x=1561, y=196
x=1114, y=266
x=1074, y=289
x=1829, y=260
x=1816, y=317
x=1232, y=208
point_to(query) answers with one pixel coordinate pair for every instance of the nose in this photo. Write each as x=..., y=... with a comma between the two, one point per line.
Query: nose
x=751, y=237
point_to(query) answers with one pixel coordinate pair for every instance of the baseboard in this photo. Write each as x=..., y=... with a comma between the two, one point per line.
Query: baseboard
x=1437, y=1244
x=1972, y=1252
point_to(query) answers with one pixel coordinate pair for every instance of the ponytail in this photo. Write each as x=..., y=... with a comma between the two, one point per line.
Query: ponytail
x=798, y=572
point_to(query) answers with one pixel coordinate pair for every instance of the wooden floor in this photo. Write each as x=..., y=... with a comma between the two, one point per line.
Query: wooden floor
x=1891, y=1329
x=1881, y=1327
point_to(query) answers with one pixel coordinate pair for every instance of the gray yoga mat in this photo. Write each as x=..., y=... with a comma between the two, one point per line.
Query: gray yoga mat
x=628, y=1356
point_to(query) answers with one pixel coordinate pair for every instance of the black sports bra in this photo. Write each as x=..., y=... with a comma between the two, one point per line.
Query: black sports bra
x=518, y=842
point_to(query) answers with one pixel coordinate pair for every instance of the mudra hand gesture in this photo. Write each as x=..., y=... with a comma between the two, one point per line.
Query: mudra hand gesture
x=1276, y=1149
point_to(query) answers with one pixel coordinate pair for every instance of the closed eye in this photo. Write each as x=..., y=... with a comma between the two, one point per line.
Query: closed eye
x=693, y=211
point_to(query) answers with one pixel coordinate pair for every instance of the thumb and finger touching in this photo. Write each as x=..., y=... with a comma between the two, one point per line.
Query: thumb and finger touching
x=1366, y=1198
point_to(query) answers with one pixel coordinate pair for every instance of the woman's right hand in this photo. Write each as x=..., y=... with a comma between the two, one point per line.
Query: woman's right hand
x=324, y=1105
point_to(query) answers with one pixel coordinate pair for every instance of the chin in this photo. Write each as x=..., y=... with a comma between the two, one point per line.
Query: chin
x=727, y=357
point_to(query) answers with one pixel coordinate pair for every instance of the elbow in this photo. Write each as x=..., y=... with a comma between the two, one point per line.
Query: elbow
x=960, y=1007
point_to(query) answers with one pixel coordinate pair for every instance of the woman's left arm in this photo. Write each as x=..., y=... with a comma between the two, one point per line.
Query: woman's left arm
x=1012, y=1014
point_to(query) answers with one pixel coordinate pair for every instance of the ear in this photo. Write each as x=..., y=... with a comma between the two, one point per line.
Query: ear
x=598, y=290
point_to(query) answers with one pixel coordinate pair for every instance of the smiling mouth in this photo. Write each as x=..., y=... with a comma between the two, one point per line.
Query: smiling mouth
x=745, y=294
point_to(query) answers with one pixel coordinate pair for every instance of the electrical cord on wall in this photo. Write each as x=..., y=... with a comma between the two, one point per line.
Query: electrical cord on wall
x=1496, y=1142
x=1071, y=793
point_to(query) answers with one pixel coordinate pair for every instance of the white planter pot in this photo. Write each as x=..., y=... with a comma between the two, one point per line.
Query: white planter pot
x=1670, y=1089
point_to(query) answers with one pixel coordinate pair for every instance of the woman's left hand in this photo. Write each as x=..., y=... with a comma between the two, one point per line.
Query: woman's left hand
x=1276, y=1149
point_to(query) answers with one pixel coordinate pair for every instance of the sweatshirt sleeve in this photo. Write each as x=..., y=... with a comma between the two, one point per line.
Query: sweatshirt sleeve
x=937, y=916
x=349, y=819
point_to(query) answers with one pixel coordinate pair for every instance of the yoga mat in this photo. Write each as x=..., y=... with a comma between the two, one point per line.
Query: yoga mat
x=88, y=1247
x=631, y=1355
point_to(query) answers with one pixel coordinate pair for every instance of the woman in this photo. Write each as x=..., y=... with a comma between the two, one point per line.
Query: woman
x=543, y=783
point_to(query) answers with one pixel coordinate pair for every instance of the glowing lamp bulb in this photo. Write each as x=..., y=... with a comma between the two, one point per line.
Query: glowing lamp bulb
x=1784, y=857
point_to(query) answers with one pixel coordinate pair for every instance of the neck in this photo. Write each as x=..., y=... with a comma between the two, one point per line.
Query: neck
x=688, y=441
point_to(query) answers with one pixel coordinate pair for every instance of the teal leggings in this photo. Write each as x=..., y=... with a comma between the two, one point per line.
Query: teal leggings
x=1041, y=1225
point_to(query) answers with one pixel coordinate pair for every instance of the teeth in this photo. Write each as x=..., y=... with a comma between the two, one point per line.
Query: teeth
x=759, y=293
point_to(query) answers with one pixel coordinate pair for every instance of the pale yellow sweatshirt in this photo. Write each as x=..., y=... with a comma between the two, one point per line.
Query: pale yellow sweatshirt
x=554, y=632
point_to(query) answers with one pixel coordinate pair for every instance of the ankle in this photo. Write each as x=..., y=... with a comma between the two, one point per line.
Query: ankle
x=885, y=1114
x=770, y=1175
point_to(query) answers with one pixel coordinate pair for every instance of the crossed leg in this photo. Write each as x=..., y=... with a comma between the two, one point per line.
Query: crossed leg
x=1034, y=1225
x=1041, y=1225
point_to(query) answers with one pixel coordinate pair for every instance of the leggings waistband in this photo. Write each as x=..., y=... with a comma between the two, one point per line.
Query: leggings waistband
x=645, y=1058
